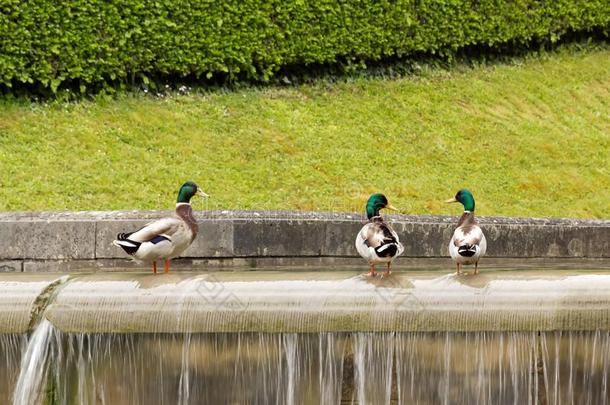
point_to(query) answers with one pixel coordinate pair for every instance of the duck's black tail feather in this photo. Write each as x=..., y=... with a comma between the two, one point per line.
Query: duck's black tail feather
x=128, y=245
x=387, y=250
x=467, y=250
x=123, y=235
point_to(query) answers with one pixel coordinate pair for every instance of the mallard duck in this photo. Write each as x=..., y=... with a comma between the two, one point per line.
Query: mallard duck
x=377, y=242
x=165, y=238
x=468, y=243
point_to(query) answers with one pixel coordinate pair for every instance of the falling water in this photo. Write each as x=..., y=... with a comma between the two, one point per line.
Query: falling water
x=331, y=354
x=11, y=347
x=373, y=360
x=333, y=340
x=477, y=368
x=32, y=379
x=292, y=367
x=576, y=367
x=252, y=368
x=325, y=368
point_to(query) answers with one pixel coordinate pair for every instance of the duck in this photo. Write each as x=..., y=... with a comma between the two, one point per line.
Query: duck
x=377, y=242
x=165, y=238
x=468, y=244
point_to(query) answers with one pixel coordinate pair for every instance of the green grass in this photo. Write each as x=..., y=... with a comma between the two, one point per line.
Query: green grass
x=529, y=138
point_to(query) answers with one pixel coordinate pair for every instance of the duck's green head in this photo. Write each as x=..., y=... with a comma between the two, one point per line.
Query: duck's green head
x=465, y=197
x=375, y=203
x=188, y=190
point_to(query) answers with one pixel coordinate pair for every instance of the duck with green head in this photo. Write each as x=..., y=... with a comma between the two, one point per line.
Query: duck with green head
x=165, y=238
x=468, y=243
x=377, y=242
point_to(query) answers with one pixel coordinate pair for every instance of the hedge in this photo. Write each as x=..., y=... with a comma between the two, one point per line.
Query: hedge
x=88, y=42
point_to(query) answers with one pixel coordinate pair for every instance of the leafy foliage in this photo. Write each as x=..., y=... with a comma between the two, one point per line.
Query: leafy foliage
x=85, y=43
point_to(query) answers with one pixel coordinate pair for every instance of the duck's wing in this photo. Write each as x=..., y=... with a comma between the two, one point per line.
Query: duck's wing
x=372, y=235
x=362, y=242
x=158, y=233
x=379, y=234
x=376, y=240
x=165, y=227
x=468, y=235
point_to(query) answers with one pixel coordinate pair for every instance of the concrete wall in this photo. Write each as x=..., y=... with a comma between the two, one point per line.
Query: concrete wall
x=82, y=240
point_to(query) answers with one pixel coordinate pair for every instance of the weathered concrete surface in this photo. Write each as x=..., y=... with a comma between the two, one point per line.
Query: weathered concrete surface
x=21, y=298
x=443, y=264
x=340, y=301
x=46, y=241
x=10, y=266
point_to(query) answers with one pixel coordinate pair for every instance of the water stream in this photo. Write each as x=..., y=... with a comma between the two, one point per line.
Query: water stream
x=324, y=368
x=11, y=348
x=354, y=357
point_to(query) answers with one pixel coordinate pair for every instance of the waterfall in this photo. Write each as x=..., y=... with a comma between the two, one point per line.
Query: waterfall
x=373, y=364
x=314, y=368
x=31, y=384
x=308, y=340
x=11, y=348
x=331, y=354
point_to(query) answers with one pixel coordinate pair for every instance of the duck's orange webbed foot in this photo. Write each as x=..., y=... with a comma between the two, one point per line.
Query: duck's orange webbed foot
x=388, y=270
x=372, y=272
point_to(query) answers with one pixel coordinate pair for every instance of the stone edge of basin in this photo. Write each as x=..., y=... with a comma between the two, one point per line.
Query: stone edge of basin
x=64, y=241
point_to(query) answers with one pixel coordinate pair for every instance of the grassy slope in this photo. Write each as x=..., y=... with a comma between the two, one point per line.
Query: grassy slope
x=530, y=138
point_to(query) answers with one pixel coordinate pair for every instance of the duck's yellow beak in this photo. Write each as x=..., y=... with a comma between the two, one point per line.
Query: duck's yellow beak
x=391, y=207
x=451, y=200
x=201, y=193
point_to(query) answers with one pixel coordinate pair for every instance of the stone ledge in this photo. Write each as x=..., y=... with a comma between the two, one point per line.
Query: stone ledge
x=282, y=215
x=28, y=237
x=322, y=263
x=338, y=301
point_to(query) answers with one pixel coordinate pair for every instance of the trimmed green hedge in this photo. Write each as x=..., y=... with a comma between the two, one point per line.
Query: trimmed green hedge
x=89, y=42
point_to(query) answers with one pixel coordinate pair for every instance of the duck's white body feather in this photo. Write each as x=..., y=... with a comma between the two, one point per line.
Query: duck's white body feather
x=176, y=231
x=468, y=243
x=165, y=238
x=378, y=243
